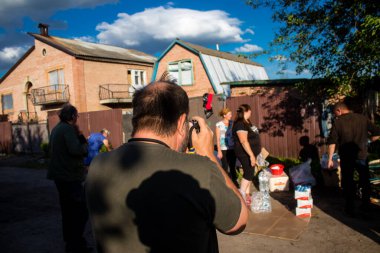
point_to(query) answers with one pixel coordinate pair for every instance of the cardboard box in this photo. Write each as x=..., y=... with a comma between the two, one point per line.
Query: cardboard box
x=305, y=203
x=303, y=212
x=279, y=183
x=304, y=195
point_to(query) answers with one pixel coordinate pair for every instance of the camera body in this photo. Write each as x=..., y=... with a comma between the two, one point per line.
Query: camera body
x=195, y=125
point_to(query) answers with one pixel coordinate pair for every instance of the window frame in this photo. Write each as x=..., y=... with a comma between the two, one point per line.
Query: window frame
x=59, y=77
x=7, y=110
x=178, y=63
x=138, y=72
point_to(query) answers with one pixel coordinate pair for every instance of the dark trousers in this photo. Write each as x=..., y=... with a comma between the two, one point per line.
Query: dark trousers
x=348, y=166
x=74, y=214
x=229, y=160
x=248, y=170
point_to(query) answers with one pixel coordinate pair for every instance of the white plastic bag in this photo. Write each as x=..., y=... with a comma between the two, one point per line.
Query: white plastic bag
x=301, y=174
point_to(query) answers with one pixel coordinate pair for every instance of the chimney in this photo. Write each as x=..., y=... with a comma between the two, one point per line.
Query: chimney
x=217, y=46
x=44, y=29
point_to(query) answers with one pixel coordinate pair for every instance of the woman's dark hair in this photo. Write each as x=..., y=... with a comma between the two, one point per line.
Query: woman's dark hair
x=158, y=106
x=68, y=112
x=240, y=115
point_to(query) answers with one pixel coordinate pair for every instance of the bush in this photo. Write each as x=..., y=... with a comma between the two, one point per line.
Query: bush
x=45, y=148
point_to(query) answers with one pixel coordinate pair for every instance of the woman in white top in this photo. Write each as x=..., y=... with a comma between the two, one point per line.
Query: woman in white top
x=225, y=144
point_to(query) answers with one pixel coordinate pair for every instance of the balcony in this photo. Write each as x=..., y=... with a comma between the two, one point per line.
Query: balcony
x=115, y=93
x=52, y=94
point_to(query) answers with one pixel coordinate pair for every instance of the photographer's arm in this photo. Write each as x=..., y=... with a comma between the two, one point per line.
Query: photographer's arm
x=203, y=144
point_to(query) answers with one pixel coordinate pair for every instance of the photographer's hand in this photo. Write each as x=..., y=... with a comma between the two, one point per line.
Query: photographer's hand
x=203, y=141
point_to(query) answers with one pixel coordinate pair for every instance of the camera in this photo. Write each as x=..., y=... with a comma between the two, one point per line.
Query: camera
x=195, y=125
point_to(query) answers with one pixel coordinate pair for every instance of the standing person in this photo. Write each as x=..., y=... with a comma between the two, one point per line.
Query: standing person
x=95, y=142
x=68, y=147
x=350, y=133
x=225, y=143
x=150, y=196
x=247, y=147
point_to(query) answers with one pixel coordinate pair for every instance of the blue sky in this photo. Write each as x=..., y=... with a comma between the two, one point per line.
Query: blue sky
x=146, y=25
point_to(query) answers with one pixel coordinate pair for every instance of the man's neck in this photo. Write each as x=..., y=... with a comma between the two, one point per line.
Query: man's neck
x=170, y=141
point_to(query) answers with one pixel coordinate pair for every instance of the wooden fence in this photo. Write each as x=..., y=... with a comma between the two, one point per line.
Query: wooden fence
x=5, y=137
x=282, y=121
x=91, y=122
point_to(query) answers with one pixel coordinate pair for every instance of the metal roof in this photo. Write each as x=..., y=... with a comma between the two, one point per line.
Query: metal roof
x=96, y=52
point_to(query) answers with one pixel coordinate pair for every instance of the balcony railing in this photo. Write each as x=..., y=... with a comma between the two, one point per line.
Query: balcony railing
x=53, y=94
x=24, y=117
x=115, y=93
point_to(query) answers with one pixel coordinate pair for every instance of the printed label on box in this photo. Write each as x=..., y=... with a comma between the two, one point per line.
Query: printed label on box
x=305, y=203
x=303, y=212
x=279, y=183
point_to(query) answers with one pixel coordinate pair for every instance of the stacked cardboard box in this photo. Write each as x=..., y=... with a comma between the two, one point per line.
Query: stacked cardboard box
x=304, y=199
x=279, y=182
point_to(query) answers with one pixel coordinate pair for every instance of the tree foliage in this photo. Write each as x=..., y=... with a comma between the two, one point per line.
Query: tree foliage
x=333, y=39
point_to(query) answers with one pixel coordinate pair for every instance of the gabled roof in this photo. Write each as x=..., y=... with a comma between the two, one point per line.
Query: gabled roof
x=96, y=52
x=220, y=66
x=216, y=53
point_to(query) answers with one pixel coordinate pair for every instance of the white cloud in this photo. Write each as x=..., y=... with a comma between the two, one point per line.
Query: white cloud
x=10, y=55
x=13, y=11
x=153, y=29
x=248, y=48
x=248, y=30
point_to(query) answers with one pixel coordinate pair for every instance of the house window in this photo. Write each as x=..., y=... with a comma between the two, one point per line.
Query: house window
x=7, y=102
x=138, y=77
x=56, y=78
x=182, y=71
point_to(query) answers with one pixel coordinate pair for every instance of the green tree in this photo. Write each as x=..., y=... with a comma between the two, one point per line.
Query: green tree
x=333, y=39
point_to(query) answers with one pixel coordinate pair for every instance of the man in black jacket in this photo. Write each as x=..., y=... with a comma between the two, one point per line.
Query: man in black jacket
x=350, y=133
x=68, y=147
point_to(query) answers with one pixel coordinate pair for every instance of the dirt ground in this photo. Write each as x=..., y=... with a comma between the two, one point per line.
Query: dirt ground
x=30, y=219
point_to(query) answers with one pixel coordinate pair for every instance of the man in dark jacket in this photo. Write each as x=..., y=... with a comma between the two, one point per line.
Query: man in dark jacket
x=67, y=149
x=350, y=133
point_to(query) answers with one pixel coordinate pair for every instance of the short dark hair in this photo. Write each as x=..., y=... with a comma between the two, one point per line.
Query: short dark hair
x=158, y=106
x=67, y=112
x=340, y=105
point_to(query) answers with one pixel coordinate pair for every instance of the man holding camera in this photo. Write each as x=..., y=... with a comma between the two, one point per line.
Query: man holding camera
x=150, y=196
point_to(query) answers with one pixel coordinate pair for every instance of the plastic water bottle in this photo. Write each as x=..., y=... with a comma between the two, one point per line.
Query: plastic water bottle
x=261, y=202
x=264, y=181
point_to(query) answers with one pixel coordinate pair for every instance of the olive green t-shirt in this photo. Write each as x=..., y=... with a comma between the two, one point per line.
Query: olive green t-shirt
x=145, y=197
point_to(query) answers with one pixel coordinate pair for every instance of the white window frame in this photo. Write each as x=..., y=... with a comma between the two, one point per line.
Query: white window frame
x=60, y=79
x=180, y=69
x=141, y=77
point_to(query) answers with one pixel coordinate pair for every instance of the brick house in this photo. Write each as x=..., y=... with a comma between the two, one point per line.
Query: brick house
x=201, y=70
x=56, y=70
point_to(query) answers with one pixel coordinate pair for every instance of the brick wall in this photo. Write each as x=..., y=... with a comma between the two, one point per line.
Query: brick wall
x=201, y=82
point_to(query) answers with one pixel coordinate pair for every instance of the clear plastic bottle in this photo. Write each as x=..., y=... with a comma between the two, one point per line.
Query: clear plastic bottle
x=264, y=181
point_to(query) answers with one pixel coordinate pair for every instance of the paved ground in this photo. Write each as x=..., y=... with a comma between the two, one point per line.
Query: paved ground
x=30, y=221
